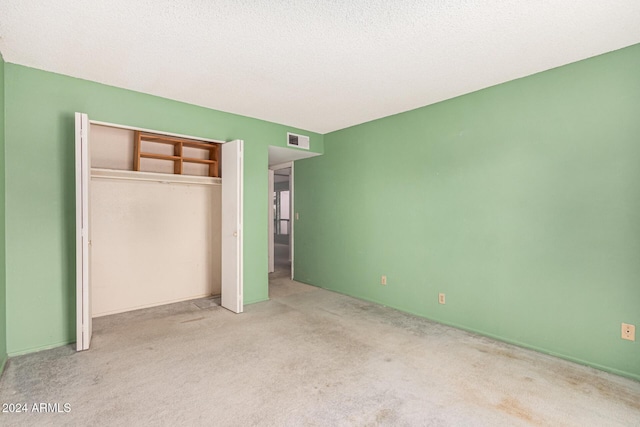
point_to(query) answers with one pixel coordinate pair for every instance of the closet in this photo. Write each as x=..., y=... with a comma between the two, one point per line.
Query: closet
x=155, y=217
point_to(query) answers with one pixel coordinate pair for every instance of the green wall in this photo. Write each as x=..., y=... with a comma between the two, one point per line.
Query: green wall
x=40, y=204
x=3, y=300
x=520, y=202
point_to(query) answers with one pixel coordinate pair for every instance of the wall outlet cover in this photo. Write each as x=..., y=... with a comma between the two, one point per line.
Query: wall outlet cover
x=441, y=298
x=628, y=332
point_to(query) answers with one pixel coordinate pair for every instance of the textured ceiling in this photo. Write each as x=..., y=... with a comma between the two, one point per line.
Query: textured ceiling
x=317, y=65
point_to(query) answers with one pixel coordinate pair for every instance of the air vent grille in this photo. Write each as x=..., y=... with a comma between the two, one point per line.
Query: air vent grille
x=300, y=141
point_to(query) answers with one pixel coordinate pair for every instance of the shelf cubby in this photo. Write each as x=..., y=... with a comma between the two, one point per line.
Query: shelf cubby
x=177, y=158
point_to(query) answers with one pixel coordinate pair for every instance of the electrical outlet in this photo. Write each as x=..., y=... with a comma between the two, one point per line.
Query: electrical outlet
x=441, y=298
x=383, y=280
x=297, y=215
x=628, y=332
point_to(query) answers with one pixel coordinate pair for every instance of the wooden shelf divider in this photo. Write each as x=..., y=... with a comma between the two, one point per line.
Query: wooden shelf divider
x=178, y=156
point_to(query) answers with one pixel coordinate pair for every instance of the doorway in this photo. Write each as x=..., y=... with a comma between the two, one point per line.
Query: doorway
x=282, y=222
x=282, y=218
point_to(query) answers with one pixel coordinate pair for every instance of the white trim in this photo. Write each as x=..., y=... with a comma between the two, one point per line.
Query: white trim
x=153, y=176
x=83, y=255
x=271, y=219
x=284, y=165
x=159, y=132
x=292, y=215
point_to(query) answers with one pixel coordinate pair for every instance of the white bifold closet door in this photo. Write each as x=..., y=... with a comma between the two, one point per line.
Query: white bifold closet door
x=232, y=165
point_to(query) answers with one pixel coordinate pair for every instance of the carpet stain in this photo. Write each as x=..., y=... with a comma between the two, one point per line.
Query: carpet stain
x=383, y=415
x=508, y=405
x=618, y=394
x=192, y=320
x=513, y=407
x=586, y=383
x=506, y=354
x=499, y=352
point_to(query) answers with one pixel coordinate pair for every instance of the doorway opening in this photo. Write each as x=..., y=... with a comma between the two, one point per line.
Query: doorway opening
x=282, y=213
x=282, y=222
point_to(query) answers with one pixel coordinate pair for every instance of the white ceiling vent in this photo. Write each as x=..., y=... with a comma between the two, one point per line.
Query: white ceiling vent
x=299, y=141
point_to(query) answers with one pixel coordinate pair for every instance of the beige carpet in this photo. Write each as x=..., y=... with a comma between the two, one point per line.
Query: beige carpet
x=306, y=357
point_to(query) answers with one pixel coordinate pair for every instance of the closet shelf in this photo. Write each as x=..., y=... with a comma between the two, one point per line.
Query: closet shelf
x=177, y=157
x=203, y=161
x=159, y=156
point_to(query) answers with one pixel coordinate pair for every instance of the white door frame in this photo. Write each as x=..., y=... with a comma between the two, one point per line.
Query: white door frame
x=291, y=212
x=83, y=254
x=270, y=227
x=292, y=216
x=83, y=221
